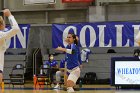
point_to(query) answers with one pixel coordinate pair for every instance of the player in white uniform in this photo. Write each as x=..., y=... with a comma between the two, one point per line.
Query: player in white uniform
x=6, y=34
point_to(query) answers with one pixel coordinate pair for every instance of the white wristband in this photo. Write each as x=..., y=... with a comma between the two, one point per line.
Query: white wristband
x=69, y=51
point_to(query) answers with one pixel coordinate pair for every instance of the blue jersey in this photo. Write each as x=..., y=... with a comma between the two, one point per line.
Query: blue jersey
x=52, y=63
x=72, y=59
x=62, y=64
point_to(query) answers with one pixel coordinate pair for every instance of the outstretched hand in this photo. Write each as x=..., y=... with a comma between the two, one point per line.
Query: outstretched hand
x=59, y=48
x=6, y=12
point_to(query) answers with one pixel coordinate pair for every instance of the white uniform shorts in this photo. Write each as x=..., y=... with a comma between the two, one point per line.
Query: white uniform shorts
x=74, y=74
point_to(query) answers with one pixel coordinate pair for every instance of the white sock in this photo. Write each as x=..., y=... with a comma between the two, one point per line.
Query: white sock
x=57, y=84
x=70, y=89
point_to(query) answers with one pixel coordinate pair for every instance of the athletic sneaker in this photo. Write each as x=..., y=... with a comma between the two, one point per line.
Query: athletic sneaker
x=57, y=90
x=70, y=90
x=57, y=86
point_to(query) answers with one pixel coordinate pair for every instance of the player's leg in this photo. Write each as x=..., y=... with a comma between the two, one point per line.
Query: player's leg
x=58, y=79
x=1, y=78
x=72, y=78
x=1, y=67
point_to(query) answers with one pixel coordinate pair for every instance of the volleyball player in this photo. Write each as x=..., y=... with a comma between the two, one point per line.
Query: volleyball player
x=72, y=53
x=6, y=34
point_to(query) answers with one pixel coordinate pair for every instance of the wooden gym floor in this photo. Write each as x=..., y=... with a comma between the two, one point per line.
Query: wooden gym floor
x=28, y=88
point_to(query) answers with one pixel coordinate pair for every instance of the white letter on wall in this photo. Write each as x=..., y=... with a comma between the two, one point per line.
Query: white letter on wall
x=92, y=36
x=101, y=35
x=21, y=37
x=65, y=33
x=119, y=35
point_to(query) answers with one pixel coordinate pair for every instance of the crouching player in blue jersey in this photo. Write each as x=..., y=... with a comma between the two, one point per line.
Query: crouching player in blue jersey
x=72, y=58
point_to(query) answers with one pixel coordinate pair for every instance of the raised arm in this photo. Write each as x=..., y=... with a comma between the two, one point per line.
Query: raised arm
x=69, y=51
x=13, y=23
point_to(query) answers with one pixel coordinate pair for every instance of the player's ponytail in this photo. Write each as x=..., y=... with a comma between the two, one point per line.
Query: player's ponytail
x=75, y=39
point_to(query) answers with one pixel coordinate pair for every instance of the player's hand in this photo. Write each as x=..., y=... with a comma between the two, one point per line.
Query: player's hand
x=59, y=48
x=6, y=12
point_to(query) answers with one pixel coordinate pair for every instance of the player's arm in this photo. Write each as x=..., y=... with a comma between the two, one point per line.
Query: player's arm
x=69, y=51
x=13, y=23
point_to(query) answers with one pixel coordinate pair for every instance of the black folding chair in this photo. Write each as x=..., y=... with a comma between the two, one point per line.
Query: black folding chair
x=44, y=77
x=17, y=75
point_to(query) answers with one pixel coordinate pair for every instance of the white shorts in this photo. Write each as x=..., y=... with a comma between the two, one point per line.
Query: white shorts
x=74, y=74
